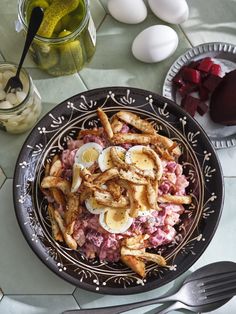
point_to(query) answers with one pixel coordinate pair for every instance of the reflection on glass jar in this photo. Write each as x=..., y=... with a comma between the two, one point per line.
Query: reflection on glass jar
x=66, y=39
x=19, y=111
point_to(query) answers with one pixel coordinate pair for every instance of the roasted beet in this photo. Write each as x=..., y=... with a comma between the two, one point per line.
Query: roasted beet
x=190, y=104
x=205, y=65
x=178, y=80
x=187, y=88
x=201, y=76
x=191, y=75
x=223, y=100
x=216, y=69
x=202, y=108
x=203, y=93
x=211, y=82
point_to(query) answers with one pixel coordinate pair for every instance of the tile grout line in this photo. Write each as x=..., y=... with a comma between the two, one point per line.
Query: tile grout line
x=185, y=35
x=1, y=294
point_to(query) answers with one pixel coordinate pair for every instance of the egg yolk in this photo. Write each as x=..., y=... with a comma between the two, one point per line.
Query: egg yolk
x=90, y=155
x=116, y=218
x=142, y=161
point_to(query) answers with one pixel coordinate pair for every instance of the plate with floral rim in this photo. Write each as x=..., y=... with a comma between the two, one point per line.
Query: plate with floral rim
x=200, y=165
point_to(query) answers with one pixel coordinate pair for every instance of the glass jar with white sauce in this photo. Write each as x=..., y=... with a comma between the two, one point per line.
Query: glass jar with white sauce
x=19, y=111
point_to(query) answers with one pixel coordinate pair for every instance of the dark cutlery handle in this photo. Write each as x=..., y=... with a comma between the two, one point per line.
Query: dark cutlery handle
x=34, y=23
x=118, y=308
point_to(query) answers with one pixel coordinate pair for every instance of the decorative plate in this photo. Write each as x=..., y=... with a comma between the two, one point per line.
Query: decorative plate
x=199, y=162
x=223, y=54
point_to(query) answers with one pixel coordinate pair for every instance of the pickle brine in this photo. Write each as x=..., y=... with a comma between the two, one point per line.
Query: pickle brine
x=64, y=43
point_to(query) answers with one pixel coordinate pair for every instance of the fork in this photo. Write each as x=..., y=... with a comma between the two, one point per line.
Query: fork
x=206, y=286
x=14, y=83
x=208, y=293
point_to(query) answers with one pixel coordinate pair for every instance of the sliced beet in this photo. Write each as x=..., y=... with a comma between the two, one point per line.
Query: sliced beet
x=216, y=69
x=191, y=75
x=193, y=64
x=178, y=80
x=205, y=65
x=190, y=104
x=211, y=82
x=187, y=88
x=202, y=108
x=223, y=100
x=203, y=93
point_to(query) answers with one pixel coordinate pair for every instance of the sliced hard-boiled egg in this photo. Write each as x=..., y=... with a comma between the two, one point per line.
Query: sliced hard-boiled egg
x=141, y=160
x=76, y=178
x=104, y=159
x=88, y=153
x=115, y=220
x=93, y=207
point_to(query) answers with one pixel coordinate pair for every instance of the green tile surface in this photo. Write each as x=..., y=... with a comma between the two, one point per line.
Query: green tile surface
x=21, y=272
x=35, y=304
x=2, y=177
x=211, y=20
x=114, y=64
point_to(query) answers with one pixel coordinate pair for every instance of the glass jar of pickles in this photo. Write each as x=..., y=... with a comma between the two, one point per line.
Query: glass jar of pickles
x=20, y=110
x=66, y=39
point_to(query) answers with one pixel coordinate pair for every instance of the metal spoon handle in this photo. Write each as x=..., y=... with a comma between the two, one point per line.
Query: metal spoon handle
x=122, y=308
x=34, y=23
x=172, y=307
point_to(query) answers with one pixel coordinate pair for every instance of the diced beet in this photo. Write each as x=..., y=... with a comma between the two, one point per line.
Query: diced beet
x=216, y=69
x=205, y=65
x=178, y=80
x=190, y=104
x=193, y=64
x=191, y=75
x=187, y=88
x=203, y=92
x=211, y=82
x=202, y=108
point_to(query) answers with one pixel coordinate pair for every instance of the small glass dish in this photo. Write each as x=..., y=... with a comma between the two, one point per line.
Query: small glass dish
x=18, y=111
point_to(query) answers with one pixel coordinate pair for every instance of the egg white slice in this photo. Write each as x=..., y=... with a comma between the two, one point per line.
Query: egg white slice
x=93, y=207
x=88, y=153
x=115, y=220
x=104, y=159
x=141, y=160
x=76, y=178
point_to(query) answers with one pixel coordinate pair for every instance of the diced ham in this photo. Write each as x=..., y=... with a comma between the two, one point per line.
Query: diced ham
x=94, y=138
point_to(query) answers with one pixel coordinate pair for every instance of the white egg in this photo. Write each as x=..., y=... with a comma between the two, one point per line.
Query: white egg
x=136, y=156
x=128, y=11
x=155, y=43
x=171, y=11
x=88, y=153
x=104, y=159
x=76, y=178
x=93, y=207
x=115, y=220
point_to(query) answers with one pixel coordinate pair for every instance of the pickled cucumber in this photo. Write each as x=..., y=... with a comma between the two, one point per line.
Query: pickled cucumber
x=66, y=48
x=71, y=57
x=44, y=59
x=62, y=25
x=52, y=15
x=37, y=3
